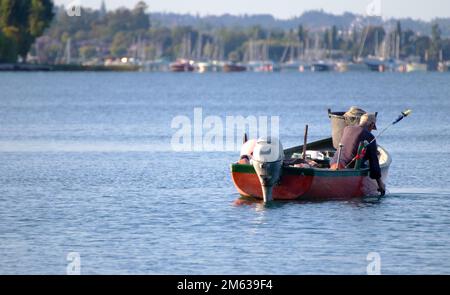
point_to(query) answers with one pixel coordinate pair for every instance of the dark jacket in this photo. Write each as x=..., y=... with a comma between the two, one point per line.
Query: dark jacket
x=351, y=138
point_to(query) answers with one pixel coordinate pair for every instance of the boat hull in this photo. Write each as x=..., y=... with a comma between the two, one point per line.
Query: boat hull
x=181, y=67
x=229, y=68
x=291, y=186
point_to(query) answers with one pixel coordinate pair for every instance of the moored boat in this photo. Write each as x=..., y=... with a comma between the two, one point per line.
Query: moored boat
x=263, y=66
x=322, y=66
x=203, y=67
x=376, y=64
x=444, y=66
x=416, y=67
x=351, y=67
x=233, y=67
x=182, y=66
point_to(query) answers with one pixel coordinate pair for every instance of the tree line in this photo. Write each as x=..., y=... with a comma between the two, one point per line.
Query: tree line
x=21, y=22
x=100, y=34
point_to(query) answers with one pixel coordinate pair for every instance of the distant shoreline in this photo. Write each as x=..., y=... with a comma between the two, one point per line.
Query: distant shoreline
x=18, y=67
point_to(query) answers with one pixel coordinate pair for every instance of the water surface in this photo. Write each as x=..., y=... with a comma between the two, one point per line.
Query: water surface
x=86, y=165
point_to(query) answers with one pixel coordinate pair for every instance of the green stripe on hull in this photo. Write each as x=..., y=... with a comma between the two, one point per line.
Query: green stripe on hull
x=248, y=169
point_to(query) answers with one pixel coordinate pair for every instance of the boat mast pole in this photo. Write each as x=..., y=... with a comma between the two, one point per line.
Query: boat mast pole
x=339, y=155
x=305, y=142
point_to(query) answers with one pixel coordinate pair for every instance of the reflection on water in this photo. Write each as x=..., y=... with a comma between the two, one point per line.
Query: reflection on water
x=259, y=205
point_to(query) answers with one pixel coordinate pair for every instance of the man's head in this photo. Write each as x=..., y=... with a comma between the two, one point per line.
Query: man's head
x=354, y=112
x=352, y=115
x=369, y=121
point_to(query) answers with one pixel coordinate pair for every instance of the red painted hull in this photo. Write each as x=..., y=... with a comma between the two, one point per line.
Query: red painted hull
x=312, y=183
x=290, y=188
x=293, y=187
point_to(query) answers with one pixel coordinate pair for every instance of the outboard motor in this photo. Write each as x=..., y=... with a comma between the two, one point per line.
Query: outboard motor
x=268, y=156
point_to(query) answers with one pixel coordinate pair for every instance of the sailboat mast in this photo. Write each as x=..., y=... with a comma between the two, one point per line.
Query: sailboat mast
x=68, y=54
x=376, y=44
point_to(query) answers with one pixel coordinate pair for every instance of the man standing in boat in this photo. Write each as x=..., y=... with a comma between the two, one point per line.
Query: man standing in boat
x=351, y=138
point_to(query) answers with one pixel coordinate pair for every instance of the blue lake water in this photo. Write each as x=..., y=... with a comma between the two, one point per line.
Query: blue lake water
x=86, y=165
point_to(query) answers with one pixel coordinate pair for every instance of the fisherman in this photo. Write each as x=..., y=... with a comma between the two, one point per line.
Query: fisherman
x=351, y=138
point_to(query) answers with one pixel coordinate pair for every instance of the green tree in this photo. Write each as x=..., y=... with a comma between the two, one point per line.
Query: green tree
x=233, y=40
x=8, y=49
x=446, y=49
x=302, y=34
x=435, y=46
x=88, y=52
x=408, y=46
x=40, y=16
x=334, y=38
x=140, y=19
x=22, y=21
x=120, y=44
x=399, y=35
x=257, y=33
x=326, y=39
x=422, y=44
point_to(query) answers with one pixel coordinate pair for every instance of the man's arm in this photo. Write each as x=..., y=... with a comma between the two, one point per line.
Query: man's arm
x=381, y=187
x=374, y=165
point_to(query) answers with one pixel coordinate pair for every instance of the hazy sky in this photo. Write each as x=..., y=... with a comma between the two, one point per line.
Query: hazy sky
x=285, y=8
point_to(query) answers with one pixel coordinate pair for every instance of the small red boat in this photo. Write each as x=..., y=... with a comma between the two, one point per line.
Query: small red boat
x=312, y=183
x=272, y=173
